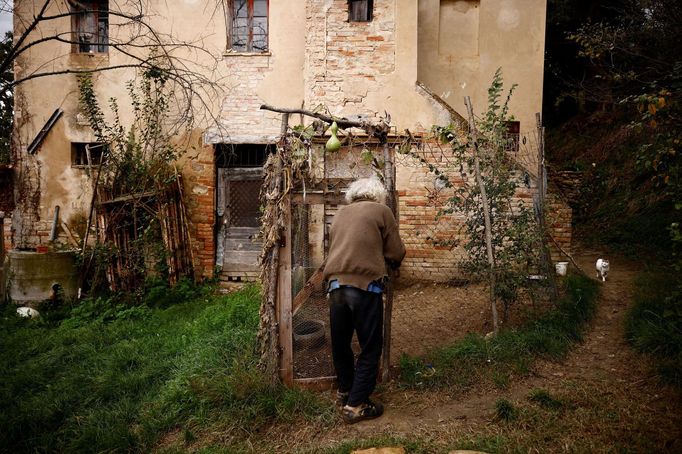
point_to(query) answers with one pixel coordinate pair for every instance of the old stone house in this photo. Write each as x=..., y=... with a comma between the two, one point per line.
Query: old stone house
x=355, y=57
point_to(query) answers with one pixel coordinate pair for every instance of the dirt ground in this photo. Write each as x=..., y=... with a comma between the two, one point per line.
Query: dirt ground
x=429, y=315
x=603, y=371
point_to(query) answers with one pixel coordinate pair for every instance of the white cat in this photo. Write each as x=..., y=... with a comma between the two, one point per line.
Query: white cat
x=602, y=269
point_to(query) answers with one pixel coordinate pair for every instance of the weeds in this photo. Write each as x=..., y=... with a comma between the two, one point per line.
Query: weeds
x=505, y=411
x=545, y=400
x=473, y=358
x=654, y=323
x=114, y=377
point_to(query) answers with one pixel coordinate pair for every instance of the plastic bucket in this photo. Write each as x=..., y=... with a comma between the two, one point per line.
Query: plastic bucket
x=561, y=268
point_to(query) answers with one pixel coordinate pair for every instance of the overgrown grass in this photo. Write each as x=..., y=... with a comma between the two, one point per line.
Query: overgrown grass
x=654, y=323
x=102, y=378
x=512, y=351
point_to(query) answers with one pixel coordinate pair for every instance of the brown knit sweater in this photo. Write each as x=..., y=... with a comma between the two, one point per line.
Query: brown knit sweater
x=362, y=236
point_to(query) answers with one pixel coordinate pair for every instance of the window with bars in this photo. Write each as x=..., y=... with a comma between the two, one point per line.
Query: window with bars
x=360, y=10
x=249, y=25
x=90, y=26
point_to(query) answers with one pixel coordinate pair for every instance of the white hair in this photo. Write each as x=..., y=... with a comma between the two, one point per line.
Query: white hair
x=366, y=188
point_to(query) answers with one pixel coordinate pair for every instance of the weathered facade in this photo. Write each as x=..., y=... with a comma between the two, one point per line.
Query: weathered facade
x=350, y=57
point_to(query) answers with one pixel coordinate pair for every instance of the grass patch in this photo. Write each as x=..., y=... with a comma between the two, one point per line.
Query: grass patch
x=545, y=399
x=474, y=358
x=654, y=323
x=505, y=411
x=105, y=376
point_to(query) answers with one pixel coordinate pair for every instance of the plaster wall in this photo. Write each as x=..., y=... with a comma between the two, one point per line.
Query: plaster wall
x=49, y=179
x=463, y=42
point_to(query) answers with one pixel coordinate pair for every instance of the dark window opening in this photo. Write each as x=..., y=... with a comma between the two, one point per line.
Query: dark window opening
x=242, y=155
x=360, y=10
x=249, y=25
x=79, y=154
x=90, y=26
x=512, y=136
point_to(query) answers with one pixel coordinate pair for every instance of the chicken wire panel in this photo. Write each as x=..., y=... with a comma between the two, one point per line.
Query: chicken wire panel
x=310, y=224
x=432, y=232
x=352, y=163
x=311, y=334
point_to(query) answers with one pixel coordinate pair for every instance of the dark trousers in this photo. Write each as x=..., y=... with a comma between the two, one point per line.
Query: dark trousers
x=352, y=309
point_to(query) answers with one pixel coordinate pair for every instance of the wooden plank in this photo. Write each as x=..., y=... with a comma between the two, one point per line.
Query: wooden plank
x=240, y=268
x=319, y=198
x=389, y=178
x=242, y=173
x=315, y=384
x=286, y=368
x=308, y=288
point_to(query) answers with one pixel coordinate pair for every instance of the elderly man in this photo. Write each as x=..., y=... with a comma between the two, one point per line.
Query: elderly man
x=364, y=237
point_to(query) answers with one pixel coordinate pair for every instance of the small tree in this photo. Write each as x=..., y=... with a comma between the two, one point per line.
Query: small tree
x=502, y=236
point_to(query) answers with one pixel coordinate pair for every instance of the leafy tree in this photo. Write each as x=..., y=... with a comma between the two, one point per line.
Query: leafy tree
x=514, y=231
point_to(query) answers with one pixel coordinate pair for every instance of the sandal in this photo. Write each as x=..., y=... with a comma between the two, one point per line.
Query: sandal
x=368, y=410
x=342, y=398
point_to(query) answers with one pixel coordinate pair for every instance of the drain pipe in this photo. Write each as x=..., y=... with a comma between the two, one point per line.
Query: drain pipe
x=55, y=221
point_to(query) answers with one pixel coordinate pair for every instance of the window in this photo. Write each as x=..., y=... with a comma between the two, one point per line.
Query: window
x=512, y=136
x=90, y=26
x=360, y=10
x=249, y=25
x=79, y=153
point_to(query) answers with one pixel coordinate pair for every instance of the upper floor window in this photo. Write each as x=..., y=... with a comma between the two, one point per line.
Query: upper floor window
x=90, y=25
x=360, y=10
x=249, y=25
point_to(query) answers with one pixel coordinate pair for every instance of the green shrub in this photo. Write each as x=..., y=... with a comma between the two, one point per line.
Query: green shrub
x=654, y=323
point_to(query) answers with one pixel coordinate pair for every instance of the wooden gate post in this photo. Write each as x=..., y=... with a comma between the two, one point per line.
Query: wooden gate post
x=389, y=180
x=284, y=303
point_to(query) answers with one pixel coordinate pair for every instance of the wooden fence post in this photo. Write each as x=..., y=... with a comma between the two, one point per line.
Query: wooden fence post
x=389, y=180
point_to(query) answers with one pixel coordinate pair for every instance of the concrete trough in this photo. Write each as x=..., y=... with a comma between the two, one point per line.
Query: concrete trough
x=33, y=277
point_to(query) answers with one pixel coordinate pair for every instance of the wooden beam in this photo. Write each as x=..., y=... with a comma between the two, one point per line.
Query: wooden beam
x=373, y=129
x=285, y=316
x=308, y=288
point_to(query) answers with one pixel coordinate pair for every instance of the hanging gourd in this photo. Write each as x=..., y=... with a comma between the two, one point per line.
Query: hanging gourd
x=333, y=144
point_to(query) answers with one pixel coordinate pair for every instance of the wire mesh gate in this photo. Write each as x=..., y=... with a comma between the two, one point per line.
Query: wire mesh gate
x=302, y=303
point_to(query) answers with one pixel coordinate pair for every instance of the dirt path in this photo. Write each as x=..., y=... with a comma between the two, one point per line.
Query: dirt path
x=614, y=394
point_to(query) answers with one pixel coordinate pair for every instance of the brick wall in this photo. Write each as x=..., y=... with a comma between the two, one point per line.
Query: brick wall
x=560, y=223
x=6, y=231
x=199, y=196
x=346, y=60
x=242, y=120
x=433, y=237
